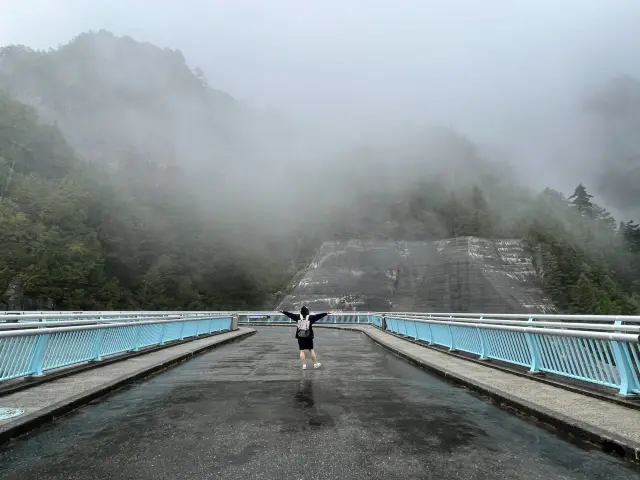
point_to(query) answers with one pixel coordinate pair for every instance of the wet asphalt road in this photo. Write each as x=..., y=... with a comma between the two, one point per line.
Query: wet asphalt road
x=247, y=411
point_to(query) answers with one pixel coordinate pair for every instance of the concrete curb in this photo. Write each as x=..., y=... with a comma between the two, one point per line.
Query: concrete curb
x=562, y=425
x=35, y=419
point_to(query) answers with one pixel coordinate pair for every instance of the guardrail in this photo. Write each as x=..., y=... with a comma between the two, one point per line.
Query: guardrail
x=39, y=317
x=542, y=322
x=576, y=350
x=519, y=316
x=63, y=322
x=33, y=351
x=335, y=318
x=597, y=349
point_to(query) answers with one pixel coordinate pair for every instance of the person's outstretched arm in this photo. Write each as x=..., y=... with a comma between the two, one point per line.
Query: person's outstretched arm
x=314, y=318
x=292, y=316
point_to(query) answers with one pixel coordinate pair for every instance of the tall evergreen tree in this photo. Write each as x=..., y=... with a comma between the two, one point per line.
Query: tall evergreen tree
x=581, y=200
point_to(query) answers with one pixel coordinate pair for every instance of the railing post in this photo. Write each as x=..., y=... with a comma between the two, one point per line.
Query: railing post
x=430, y=333
x=483, y=347
x=37, y=355
x=452, y=348
x=97, y=345
x=533, y=350
x=628, y=377
x=182, y=330
x=210, y=327
x=163, y=330
x=136, y=341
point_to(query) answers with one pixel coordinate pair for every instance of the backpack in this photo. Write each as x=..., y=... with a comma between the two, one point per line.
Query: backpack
x=303, y=327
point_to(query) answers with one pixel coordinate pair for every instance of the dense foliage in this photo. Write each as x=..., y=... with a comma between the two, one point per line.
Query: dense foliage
x=74, y=238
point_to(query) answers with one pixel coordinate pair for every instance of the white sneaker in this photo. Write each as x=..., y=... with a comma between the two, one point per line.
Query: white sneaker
x=304, y=366
x=317, y=365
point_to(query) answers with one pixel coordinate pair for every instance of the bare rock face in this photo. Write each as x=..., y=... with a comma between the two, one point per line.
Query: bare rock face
x=455, y=275
x=13, y=299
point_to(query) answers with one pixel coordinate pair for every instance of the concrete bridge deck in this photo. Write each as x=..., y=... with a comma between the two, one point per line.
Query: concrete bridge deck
x=247, y=410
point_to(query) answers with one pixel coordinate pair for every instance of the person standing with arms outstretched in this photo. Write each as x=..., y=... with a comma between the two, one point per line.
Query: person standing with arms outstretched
x=304, y=333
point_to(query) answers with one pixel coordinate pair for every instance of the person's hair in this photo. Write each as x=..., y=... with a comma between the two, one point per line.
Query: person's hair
x=304, y=311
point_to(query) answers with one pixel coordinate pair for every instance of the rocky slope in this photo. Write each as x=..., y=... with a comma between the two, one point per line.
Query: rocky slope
x=467, y=274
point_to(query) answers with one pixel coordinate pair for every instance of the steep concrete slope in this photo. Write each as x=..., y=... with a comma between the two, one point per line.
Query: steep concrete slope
x=462, y=275
x=348, y=275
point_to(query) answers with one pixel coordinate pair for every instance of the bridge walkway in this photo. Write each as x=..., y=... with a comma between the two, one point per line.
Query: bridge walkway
x=614, y=421
x=247, y=410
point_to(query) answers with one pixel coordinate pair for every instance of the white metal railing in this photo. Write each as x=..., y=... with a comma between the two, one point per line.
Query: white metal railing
x=520, y=316
x=576, y=325
x=31, y=320
x=64, y=322
x=59, y=316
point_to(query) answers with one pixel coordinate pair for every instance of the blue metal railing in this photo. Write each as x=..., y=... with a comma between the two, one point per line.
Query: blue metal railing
x=31, y=352
x=600, y=350
x=587, y=354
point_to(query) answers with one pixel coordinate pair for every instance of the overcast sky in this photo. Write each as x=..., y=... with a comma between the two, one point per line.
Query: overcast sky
x=504, y=71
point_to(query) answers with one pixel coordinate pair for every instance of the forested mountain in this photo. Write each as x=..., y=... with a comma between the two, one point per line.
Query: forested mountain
x=155, y=155
x=72, y=238
x=126, y=181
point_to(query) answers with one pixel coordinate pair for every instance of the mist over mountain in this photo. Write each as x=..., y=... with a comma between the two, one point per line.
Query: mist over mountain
x=613, y=119
x=156, y=190
x=131, y=106
x=157, y=160
x=121, y=102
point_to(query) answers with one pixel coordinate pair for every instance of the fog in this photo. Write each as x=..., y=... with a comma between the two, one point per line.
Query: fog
x=511, y=76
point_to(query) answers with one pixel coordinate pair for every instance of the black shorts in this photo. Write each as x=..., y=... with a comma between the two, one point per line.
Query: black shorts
x=305, y=343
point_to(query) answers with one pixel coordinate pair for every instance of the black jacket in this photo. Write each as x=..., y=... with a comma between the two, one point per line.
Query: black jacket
x=312, y=319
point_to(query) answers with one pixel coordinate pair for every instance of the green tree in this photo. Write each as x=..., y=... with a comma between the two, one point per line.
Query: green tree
x=581, y=201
